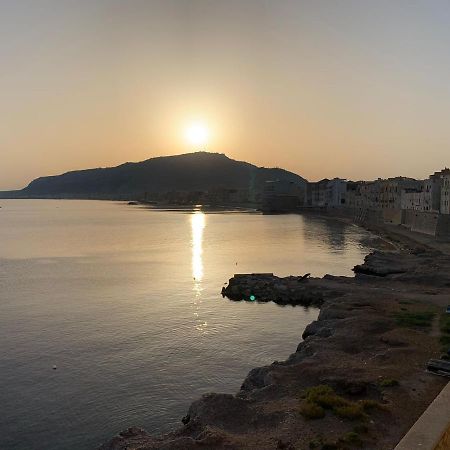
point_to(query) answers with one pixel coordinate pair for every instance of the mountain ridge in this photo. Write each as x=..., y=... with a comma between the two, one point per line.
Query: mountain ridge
x=199, y=171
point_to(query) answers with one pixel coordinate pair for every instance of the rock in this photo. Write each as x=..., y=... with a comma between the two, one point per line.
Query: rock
x=317, y=328
x=256, y=379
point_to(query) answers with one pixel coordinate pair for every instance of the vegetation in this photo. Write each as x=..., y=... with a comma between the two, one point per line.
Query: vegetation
x=318, y=399
x=330, y=446
x=352, y=411
x=324, y=396
x=414, y=319
x=312, y=411
x=445, y=323
x=388, y=382
x=445, y=330
x=352, y=438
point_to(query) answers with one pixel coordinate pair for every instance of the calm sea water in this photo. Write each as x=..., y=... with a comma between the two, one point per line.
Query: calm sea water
x=125, y=302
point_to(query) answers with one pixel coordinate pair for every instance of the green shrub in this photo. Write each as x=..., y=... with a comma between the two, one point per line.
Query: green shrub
x=369, y=405
x=312, y=411
x=315, y=392
x=388, y=382
x=317, y=399
x=445, y=323
x=325, y=396
x=352, y=438
x=352, y=411
x=330, y=446
x=414, y=319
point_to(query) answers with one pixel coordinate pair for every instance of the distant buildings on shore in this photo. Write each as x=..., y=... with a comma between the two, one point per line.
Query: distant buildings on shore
x=421, y=205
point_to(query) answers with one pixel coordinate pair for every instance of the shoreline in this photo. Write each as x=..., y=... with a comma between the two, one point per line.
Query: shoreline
x=354, y=347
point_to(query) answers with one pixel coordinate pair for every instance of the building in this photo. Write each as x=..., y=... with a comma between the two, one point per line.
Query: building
x=282, y=196
x=391, y=189
x=316, y=193
x=412, y=199
x=336, y=192
x=327, y=193
x=432, y=190
x=445, y=194
x=370, y=194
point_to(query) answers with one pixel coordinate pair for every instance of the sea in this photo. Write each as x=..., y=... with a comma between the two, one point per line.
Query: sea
x=111, y=314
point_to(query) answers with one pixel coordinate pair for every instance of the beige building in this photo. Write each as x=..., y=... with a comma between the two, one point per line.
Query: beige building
x=412, y=199
x=370, y=194
x=391, y=191
x=432, y=190
x=445, y=194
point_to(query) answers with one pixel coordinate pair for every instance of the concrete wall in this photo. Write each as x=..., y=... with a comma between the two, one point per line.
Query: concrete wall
x=421, y=222
x=443, y=227
x=392, y=215
x=431, y=431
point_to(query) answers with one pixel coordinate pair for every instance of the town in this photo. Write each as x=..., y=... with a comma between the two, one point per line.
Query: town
x=420, y=205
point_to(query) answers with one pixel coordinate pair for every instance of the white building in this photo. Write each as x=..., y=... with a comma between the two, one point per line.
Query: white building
x=412, y=199
x=336, y=192
x=432, y=190
x=445, y=194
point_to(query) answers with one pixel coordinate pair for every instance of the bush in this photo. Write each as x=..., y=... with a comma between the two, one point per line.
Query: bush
x=369, y=405
x=388, y=382
x=352, y=438
x=317, y=399
x=445, y=323
x=352, y=411
x=325, y=396
x=312, y=411
x=330, y=446
x=414, y=319
x=315, y=392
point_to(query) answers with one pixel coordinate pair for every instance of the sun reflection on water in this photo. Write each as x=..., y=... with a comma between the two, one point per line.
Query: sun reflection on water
x=197, y=226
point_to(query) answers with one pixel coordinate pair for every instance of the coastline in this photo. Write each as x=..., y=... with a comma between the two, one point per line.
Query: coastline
x=356, y=345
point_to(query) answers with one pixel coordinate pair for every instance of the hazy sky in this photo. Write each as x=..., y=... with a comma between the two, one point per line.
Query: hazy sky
x=357, y=89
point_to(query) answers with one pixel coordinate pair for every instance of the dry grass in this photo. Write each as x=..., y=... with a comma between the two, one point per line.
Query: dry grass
x=311, y=411
x=318, y=399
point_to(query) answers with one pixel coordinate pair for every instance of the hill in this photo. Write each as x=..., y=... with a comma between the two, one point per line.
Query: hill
x=192, y=172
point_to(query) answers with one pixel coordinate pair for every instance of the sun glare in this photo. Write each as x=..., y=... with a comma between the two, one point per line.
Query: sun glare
x=197, y=134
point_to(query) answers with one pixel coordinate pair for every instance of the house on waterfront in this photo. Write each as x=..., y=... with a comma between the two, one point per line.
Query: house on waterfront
x=327, y=193
x=391, y=190
x=282, y=196
x=420, y=205
x=413, y=199
x=432, y=195
x=445, y=192
x=433, y=190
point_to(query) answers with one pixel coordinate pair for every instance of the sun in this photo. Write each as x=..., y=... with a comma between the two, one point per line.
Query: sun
x=197, y=134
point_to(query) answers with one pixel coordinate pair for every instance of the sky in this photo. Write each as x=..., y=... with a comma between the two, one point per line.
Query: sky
x=356, y=89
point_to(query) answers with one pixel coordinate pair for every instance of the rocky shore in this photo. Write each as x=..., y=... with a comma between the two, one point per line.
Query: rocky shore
x=357, y=379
